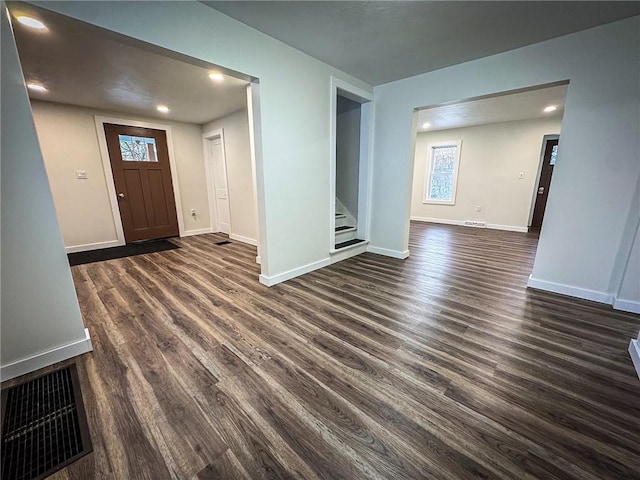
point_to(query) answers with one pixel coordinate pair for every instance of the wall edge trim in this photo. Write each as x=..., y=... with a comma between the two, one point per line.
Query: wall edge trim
x=388, y=252
x=199, y=231
x=508, y=228
x=93, y=246
x=47, y=358
x=632, y=306
x=296, y=272
x=570, y=290
x=634, y=352
x=240, y=238
x=492, y=226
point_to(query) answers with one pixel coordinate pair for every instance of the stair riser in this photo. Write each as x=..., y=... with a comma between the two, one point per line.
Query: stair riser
x=344, y=236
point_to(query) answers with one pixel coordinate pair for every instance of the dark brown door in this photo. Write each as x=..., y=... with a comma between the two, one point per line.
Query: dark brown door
x=549, y=160
x=142, y=176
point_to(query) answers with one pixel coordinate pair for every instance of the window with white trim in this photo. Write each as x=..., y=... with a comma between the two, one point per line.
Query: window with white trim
x=442, y=173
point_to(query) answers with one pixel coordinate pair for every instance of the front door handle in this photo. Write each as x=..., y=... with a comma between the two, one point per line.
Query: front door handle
x=121, y=195
x=540, y=191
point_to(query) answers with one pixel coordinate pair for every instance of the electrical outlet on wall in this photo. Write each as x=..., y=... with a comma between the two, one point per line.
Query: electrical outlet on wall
x=193, y=212
x=479, y=208
x=81, y=174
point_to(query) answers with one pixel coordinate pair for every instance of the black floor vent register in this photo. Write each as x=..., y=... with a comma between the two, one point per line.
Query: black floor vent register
x=44, y=426
x=223, y=242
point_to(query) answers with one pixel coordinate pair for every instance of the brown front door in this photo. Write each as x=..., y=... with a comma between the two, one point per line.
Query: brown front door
x=142, y=176
x=548, y=161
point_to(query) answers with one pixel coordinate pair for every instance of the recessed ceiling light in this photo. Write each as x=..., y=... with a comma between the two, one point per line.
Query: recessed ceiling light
x=426, y=125
x=216, y=76
x=31, y=22
x=36, y=87
x=163, y=108
x=550, y=108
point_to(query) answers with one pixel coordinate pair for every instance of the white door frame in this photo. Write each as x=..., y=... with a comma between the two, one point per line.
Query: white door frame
x=208, y=169
x=253, y=110
x=365, y=99
x=108, y=173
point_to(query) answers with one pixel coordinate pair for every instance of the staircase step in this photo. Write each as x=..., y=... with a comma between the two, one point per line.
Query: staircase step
x=340, y=215
x=345, y=228
x=349, y=243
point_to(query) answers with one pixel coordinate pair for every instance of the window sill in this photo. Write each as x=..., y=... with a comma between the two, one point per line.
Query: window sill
x=435, y=202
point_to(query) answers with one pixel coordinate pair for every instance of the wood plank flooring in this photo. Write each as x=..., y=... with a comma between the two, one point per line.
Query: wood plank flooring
x=442, y=366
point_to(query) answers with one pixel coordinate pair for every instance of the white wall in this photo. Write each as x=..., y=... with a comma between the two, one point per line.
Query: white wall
x=293, y=172
x=592, y=188
x=40, y=310
x=348, y=153
x=491, y=159
x=69, y=142
x=244, y=216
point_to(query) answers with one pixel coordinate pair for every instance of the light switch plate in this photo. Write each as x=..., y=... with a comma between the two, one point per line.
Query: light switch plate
x=81, y=174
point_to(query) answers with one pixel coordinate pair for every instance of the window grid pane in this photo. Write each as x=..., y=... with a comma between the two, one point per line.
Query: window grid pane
x=443, y=164
x=137, y=149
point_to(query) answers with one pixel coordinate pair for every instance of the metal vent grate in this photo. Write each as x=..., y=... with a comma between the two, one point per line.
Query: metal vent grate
x=44, y=426
x=223, y=242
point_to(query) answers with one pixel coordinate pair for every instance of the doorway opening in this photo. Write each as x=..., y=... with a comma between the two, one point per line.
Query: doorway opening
x=541, y=194
x=216, y=171
x=349, y=210
x=105, y=198
x=478, y=162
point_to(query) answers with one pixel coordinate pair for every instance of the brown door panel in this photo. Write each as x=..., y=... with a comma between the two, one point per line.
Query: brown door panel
x=157, y=193
x=133, y=200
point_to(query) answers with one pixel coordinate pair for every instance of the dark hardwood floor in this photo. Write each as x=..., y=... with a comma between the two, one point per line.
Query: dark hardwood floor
x=441, y=366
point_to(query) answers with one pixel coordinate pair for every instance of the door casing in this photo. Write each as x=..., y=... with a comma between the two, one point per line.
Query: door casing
x=108, y=174
x=365, y=181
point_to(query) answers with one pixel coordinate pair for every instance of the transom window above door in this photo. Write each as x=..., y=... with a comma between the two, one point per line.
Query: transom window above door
x=138, y=149
x=442, y=173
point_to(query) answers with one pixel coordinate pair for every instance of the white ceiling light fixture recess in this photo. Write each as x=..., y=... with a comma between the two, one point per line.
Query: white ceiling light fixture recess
x=36, y=87
x=426, y=125
x=550, y=108
x=216, y=76
x=31, y=22
x=163, y=108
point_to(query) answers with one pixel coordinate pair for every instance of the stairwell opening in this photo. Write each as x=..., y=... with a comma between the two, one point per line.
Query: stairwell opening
x=349, y=210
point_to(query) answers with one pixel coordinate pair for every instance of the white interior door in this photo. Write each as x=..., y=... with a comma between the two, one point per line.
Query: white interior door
x=220, y=185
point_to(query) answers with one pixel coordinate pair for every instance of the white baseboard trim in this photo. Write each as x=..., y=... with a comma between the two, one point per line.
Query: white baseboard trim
x=634, y=351
x=437, y=220
x=93, y=246
x=569, y=290
x=200, y=231
x=508, y=228
x=388, y=253
x=626, y=305
x=296, y=272
x=339, y=255
x=242, y=239
x=258, y=260
x=492, y=226
x=44, y=359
